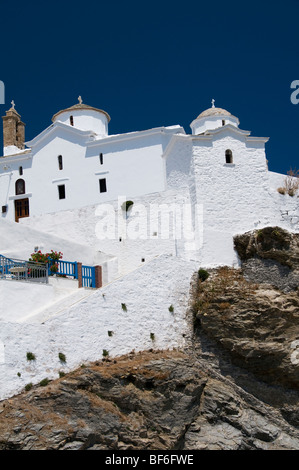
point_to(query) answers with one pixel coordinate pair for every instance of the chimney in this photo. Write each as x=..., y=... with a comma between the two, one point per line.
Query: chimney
x=13, y=130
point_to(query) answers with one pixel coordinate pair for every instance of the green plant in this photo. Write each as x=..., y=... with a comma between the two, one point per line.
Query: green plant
x=62, y=357
x=110, y=333
x=30, y=356
x=124, y=307
x=152, y=336
x=126, y=205
x=44, y=382
x=19, y=374
x=39, y=257
x=202, y=274
x=54, y=255
x=171, y=308
x=105, y=353
x=28, y=387
x=61, y=373
x=54, y=268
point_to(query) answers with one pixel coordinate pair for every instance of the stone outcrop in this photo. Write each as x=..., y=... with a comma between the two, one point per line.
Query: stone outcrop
x=236, y=387
x=150, y=400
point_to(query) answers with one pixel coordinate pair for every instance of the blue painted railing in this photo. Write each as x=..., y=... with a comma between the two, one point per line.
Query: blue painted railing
x=70, y=269
x=11, y=268
x=65, y=268
x=39, y=272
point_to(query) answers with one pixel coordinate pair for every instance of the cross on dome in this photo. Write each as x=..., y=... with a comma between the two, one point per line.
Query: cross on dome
x=80, y=99
x=13, y=104
x=213, y=103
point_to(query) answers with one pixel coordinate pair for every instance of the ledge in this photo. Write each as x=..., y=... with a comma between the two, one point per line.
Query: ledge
x=20, y=196
x=59, y=180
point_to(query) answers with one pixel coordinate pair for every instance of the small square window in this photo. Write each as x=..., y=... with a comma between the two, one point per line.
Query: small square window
x=61, y=191
x=103, y=185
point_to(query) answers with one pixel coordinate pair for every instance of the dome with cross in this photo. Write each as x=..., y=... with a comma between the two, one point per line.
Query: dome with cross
x=212, y=118
x=84, y=117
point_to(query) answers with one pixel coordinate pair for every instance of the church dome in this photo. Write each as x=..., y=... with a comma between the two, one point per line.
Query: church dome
x=84, y=117
x=79, y=107
x=211, y=119
x=214, y=112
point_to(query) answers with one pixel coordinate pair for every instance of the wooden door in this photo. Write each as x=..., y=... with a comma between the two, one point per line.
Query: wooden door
x=21, y=208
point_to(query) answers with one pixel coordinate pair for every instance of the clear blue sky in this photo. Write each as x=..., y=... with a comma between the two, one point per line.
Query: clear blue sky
x=156, y=63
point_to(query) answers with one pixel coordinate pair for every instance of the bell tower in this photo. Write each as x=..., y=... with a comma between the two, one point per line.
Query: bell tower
x=13, y=131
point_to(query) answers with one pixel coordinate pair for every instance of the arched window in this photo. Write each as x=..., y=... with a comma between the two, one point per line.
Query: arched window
x=71, y=120
x=101, y=158
x=20, y=187
x=60, y=164
x=229, y=156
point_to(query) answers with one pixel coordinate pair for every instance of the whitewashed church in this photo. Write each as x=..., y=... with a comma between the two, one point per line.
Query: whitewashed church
x=63, y=191
x=220, y=170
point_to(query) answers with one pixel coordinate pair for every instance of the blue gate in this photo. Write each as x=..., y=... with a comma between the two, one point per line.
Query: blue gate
x=88, y=276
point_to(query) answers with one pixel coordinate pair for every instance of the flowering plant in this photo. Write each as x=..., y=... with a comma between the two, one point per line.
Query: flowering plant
x=54, y=255
x=39, y=257
x=54, y=268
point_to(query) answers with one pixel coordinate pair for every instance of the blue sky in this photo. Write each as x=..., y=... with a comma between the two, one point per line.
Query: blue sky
x=158, y=63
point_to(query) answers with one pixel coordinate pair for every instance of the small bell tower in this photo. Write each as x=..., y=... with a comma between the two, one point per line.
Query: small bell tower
x=13, y=131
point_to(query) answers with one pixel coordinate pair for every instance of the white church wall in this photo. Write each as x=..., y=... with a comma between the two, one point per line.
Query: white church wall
x=234, y=196
x=135, y=165
x=132, y=166
x=154, y=225
x=147, y=293
x=177, y=158
x=11, y=170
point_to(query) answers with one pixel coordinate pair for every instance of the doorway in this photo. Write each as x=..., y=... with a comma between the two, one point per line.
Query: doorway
x=21, y=208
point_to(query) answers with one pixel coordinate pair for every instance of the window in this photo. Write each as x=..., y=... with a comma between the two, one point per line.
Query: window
x=20, y=187
x=61, y=191
x=101, y=158
x=71, y=120
x=60, y=164
x=103, y=186
x=223, y=122
x=229, y=156
x=20, y=170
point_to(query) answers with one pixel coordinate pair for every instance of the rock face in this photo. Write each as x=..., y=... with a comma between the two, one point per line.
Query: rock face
x=235, y=387
x=158, y=400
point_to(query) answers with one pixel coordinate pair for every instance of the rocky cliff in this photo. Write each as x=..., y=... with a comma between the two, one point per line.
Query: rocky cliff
x=235, y=387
